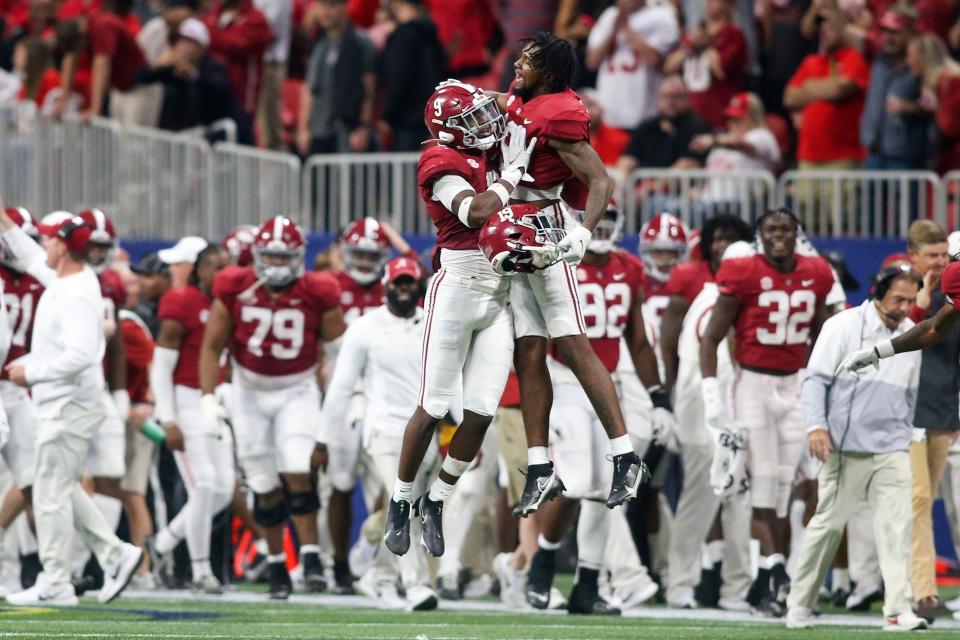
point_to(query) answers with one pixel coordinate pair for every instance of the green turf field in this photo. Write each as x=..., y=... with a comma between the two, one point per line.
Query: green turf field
x=179, y=616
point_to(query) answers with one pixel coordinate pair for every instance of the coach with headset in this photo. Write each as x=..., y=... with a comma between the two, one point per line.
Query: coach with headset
x=860, y=428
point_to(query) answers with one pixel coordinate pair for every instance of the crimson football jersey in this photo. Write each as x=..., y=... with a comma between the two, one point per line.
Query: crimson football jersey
x=275, y=335
x=687, y=280
x=355, y=298
x=608, y=294
x=441, y=160
x=551, y=116
x=950, y=283
x=138, y=347
x=656, y=297
x=21, y=293
x=114, y=293
x=191, y=308
x=776, y=309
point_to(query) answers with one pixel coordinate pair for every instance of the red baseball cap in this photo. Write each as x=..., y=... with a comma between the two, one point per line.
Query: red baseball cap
x=403, y=266
x=894, y=258
x=739, y=106
x=71, y=229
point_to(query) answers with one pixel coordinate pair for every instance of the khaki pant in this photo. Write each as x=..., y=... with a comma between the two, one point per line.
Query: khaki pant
x=139, y=106
x=60, y=505
x=927, y=460
x=512, y=443
x=844, y=480
x=270, y=106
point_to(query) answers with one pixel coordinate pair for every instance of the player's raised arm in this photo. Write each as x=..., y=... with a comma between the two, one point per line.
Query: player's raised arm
x=926, y=334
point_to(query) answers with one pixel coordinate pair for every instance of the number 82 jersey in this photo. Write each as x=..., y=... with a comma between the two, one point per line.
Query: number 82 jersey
x=776, y=309
x=275, y=335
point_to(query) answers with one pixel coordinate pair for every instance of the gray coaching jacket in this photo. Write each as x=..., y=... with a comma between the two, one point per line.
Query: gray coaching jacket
x=871, y=412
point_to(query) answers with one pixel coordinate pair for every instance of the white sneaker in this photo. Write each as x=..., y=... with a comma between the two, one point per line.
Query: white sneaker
x=361, y=556
x=365, y=586
x=638, y=596
x=207, y=584
x=479, y=587
x=4, y=591
x=907, y=621
x=799, y=618
x=683, y=601
x=143, y=582
x=117, y=577
x=35, y=596
x=421, y=598
x=953, y=605
x=389, y=598
x=512, y=582
x=734, y=604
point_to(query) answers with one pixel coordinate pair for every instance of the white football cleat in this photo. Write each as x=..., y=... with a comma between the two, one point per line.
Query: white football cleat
x=117, y=577
x=37, y=597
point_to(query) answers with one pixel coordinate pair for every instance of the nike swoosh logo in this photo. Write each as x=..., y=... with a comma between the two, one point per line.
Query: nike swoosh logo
x=527, y=121
x=539, y=597
x=806, y=283
x=619, y=276
x=542, y=484
x=43, y=597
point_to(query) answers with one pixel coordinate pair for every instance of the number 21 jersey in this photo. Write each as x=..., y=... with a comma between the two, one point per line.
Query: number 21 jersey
x=275, y=335
x=776, y=309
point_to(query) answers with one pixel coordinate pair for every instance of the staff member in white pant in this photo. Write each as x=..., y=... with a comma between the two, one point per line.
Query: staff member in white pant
x=860, y=427
x=65, y=374
x=382, y=350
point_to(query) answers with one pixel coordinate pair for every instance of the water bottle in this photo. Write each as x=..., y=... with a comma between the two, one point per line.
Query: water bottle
x=153, y=431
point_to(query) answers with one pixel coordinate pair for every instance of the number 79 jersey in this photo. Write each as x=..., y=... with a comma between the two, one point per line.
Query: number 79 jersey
x=275, y=336
x=776, y=309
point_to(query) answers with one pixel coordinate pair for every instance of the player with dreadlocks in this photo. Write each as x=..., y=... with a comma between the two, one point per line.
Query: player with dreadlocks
x=541, y=104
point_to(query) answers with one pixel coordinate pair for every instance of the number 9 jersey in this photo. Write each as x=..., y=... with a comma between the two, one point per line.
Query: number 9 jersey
x=277, y=335
x=776, y=309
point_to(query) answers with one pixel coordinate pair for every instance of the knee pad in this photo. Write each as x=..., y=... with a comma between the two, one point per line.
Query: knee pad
x=303, y=502
x=269, y=516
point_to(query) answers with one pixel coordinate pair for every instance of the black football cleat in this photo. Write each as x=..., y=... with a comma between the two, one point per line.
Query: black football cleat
x=542, y=485
x=540, y=579
x=397, y=534
x=431, y=524
x=342, y=579
x=629, y=472
x=313, y=578
x=781, y=584
x=585, y=600
x=280, y=583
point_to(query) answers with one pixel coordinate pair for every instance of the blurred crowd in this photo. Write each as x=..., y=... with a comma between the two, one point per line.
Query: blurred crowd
x=721, y=84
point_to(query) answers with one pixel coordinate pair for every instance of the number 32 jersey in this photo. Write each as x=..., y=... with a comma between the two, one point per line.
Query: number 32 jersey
x=275, y=335
x=776, y=309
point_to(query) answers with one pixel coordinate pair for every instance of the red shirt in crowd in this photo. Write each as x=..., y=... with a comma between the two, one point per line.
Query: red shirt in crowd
x=110, y=36
x=465, y=28
x=710, y=102
x=72, y=9
x=49, y=80
x=948, y=121
x=830, y=131
x=609, y=143
x=238, y=39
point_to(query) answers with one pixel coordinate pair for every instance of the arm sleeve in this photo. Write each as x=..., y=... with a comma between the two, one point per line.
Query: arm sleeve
x=823, y=362
x=351, y=361
x=161, y=383
x=80, y=351
x=448, y=187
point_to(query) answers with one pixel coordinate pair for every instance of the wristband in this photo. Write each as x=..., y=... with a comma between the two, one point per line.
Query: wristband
x=659, y=397
x=463, y=213
x=501, y=192
x=885, y=349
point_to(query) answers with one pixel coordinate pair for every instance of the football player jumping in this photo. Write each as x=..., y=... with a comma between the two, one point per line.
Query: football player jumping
x=469, y=330
x=541, y=105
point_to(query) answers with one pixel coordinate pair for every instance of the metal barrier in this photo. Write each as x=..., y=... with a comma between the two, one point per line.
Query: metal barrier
x=692, y=194
x=862, y=203
x=159, y=184
x=340, y=188
x=249, y=185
